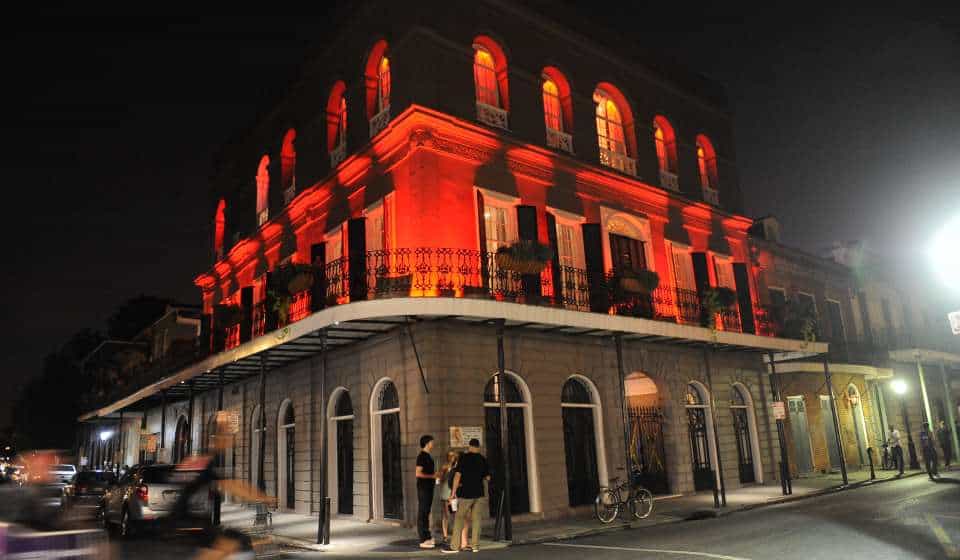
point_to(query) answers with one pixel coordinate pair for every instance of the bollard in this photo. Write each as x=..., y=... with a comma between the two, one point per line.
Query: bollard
x=716, y=493
x=327, y=504
x=783, y=479
x=873, y=474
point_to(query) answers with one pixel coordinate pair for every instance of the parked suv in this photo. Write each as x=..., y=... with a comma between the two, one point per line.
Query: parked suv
x=147, y=494
x=63, y=473
x=90, y=486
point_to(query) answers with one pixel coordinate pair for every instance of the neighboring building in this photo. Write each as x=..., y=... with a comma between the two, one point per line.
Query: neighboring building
x=875, y=329
x=357, y=283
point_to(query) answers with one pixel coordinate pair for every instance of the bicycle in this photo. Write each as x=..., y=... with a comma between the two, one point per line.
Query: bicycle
x=608, y=502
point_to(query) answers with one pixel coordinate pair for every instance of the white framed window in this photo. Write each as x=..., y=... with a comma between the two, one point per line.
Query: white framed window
x=500, y=219
x=723, y=272
x=334, y=244
x=682, y=263
x=615, y=222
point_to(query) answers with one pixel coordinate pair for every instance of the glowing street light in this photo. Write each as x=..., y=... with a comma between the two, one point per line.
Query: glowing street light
x=899, y=386
x=943, y=253
x=105, y=435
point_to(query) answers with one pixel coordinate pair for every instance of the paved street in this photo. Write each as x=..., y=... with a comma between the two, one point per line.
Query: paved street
x=911, y=518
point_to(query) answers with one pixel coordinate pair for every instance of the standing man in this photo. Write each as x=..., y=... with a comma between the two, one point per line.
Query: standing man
x=929, y=450
x=468, y=491
x=426, y=480
x=943, y=435
x=897, y=450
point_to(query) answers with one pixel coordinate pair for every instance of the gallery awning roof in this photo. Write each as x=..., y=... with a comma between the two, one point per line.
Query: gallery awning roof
x=357, y=321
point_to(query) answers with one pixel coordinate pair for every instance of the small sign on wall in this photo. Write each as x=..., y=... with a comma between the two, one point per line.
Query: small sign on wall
x=148, y=443
x=954, y=318
x=779, y=410
x=460, y=436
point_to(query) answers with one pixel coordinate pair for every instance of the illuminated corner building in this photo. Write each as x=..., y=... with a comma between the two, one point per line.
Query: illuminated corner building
x=365, y=214
x=877, y=329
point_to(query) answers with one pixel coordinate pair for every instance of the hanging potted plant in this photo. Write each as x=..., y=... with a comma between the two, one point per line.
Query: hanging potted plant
x=524, y=256
x=394, y=285
x=716, y=300
x=636, y=282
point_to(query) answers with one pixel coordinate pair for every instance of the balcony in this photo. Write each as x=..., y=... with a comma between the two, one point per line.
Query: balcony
x=338, y=154
x=620, y=162
x=669, y=181
x=711, y=196
x=559, y=140
x=490, y=115
x=379, y=121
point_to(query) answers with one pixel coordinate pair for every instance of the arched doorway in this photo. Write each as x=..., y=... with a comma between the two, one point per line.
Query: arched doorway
x=520, y=451
x=340, y=440
x=859, y=423
x=257, y=429
x=385, y=449
x=745, y=432
x=286, y=456
x=647, y=451
x=583, y=440
x=700, y=426
x=181, y=440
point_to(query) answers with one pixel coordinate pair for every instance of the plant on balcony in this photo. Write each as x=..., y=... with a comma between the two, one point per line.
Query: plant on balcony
x=637, y=282
x=716, y=300
x=286, y=281
x=800, y=320
x=398, y=284
x=227, y=314
x=524, y=256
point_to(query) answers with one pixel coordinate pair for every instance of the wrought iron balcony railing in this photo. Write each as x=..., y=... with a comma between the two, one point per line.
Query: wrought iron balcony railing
x=618, y=161
x=493, y=116
x=669, y=180
x=559, y=140
x=379, y=121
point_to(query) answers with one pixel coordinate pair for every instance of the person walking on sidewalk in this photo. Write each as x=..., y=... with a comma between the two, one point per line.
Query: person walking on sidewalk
x=894, y=443
x=929, y=450
x=426, y=480
x=468, y=492
x=944, y=437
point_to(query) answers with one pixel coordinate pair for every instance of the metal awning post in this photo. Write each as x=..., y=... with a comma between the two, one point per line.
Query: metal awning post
x=217, y=498
x=262, y=423
x=785, y=482
x=836, y=419
x=621, y=376
x=323, y=531
x=505, y=509
x=163, y=424
x=713, y=415
x=923, y=392
x=190, y=419
x=118, y=453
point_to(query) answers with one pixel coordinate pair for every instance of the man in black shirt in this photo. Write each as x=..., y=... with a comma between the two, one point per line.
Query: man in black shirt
x=472, y=472
x=426, y=480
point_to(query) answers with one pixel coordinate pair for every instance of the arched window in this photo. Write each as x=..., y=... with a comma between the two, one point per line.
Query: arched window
x=524, y=492
x=219, y=228
x=583, y=440
x=648, y=456
x=613, y=118
x=557, y=109
x=702, y=445
x=706, y=163
x=337, y=124
x=286, y=455
x=377, y=84
x=385, y=451
x=665, y=141
x=263, y=190
x=745, y=433
x=340, y=440
x=490, y=80
x=288, y=165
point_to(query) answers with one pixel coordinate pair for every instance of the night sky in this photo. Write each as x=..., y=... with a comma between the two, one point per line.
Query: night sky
x=846, y=128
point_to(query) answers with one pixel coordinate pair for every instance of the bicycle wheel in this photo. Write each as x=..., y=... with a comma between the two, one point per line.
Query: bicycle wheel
x=641, y=503
x=607, y=505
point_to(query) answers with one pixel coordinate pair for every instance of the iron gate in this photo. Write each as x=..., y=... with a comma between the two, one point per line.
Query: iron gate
x=291, y=471
x=647, y=454
x=391, y=466
x=580, y=445
x=741, y=428
x=516, y=454
x=345, y=467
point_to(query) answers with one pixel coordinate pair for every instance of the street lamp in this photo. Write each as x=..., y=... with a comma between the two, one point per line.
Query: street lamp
x=105, y=435
x=942, y=252
x=899, y=387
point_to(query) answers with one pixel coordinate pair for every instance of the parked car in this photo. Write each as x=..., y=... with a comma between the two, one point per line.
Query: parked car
x=90, y=486
x=145, y=495
x=63, y=473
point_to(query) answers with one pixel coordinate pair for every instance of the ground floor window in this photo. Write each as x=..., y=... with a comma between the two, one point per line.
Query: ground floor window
x=385, y=444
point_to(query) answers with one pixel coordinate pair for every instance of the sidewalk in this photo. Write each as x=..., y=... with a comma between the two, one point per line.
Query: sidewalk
x=358, y=538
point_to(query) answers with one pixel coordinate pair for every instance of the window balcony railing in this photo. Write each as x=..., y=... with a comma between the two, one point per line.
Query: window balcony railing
x=559, y=140
x=620, y=162
x=669, y=181
x=711, y=196
x=379, y=121
x=259, y=319
x=490, y=115
x=232, y=336
x=338, y=154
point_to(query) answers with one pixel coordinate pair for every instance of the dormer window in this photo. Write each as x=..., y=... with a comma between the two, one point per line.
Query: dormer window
x=490, y=81
x=337, y=124
x=665, y=142
x=263, y=190
x=377, y=82
x=707, y=167
x=557, y=110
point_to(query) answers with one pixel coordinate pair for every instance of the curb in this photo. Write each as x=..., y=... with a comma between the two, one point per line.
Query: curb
x=659, y=519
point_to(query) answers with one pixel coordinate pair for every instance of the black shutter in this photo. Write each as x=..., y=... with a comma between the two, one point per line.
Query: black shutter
x=482, y=231
x=246, y=308
x=593, y=256
x=527, y=231
x=206, y=341
x=744, y=302
x=557, y=276
x=318, y=258
x=702, y=280
x=357, y=255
